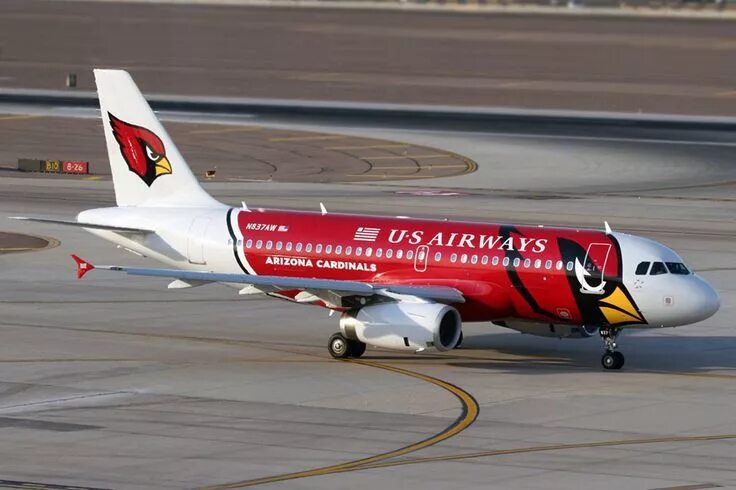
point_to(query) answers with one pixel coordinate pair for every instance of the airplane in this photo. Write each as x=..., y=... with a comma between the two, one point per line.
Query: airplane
x=397, y=283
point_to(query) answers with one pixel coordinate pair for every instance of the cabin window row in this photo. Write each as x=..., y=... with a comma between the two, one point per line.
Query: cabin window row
x=409, y=254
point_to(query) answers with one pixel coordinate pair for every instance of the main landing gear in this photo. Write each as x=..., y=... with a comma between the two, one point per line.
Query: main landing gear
x=343, y=348
x=612, y=359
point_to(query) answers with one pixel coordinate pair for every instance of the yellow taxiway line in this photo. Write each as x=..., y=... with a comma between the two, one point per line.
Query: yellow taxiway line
x=467, y=417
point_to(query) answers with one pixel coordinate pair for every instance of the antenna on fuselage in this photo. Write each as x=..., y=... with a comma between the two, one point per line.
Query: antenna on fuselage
x=323, y=209
x=609, y=231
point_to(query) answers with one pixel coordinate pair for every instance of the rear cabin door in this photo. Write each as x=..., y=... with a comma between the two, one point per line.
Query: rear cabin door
x=196, y=239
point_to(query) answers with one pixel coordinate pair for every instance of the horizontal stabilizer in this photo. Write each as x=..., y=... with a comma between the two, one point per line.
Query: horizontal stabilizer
x=118, y=229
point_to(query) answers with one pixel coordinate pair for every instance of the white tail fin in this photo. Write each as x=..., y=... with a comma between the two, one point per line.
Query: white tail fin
x=147, y=168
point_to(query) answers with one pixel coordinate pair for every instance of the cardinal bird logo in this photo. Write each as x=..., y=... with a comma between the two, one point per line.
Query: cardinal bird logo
x=142, y=150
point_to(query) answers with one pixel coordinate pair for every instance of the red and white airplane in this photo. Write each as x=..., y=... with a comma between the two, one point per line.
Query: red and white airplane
x=398, y=283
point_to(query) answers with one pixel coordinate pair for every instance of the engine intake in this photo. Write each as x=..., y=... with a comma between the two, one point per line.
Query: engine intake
x=404, y=326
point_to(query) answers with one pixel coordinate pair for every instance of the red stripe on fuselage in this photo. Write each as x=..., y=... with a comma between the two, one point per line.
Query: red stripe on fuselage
x=462, y=255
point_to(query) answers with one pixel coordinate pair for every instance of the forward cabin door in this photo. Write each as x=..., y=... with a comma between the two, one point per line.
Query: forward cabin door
x=421, y=257
x=195, y=240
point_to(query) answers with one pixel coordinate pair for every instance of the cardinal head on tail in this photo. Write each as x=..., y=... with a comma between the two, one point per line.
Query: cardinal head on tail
x=142, y=150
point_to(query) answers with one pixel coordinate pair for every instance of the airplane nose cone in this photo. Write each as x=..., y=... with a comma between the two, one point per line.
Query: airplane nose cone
x=707, y=300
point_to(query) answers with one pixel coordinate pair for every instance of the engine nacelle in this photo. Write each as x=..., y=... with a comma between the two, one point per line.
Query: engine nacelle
x=549, y=329
x=404, y=326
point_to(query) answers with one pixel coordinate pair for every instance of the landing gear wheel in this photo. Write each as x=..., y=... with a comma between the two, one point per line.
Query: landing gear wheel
x=619, y=359
x=339, y=346
x=612, y=360
x=356, y=348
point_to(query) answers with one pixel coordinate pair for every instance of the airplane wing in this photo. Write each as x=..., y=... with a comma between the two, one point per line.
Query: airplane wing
x=118, y=229
x=324, y=289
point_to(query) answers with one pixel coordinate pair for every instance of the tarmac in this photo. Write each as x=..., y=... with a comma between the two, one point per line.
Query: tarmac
x=117, y=382
x=638, y=65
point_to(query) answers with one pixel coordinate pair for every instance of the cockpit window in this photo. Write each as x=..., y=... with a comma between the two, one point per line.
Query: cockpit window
x=658, y=268
x=642, y=268
x=678, y=268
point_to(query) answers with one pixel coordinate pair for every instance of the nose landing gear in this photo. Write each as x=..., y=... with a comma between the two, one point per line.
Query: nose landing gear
x=612, y=359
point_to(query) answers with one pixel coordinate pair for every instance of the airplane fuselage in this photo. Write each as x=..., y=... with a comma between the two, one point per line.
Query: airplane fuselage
x=552, y=277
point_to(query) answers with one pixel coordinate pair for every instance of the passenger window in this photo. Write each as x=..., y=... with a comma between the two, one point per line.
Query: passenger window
x=474, y=259
x=464, y=258
x=559, y=265
x=299, y=247
x=399, y=253
x=348, y=250
x=328, y=249
x=642, y=268
x=548, y=265
x=658, y=269
x=517, y=261
x=527, y=263
x=495, y=260
x=379, y=252
x=453, y=258
x=389, y=253
x=279, y=245
x=570, y=266
x=288, y=247
x=506, y=261
x=368, y=252
x=269, y=245
x=538, y=263
x=308, y=248
x=259, y=244
x=338, y=250
x=358, y=251
x=485, y=260
x=318, y=248
x=409, y=255
x=249, y=244
x=437, y=257
x=678, y=268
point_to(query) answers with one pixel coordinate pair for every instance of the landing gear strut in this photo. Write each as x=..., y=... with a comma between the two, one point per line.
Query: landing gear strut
x=343, y=348
x=612, y=359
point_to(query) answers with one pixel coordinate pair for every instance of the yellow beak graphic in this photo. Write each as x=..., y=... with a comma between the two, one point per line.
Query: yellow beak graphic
x=163, y=167
x=618, y=308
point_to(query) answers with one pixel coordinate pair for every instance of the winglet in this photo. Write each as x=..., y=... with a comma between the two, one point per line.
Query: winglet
x=83, y=266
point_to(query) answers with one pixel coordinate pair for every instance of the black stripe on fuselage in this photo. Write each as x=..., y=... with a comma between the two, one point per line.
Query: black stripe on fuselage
x=234, y=240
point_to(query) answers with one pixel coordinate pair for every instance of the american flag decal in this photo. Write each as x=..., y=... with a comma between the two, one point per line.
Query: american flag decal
x=283, y=228
x=364, y=234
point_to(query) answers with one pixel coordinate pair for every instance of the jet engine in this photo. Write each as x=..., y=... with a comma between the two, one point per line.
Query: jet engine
x=549, y=329
x=404, y=326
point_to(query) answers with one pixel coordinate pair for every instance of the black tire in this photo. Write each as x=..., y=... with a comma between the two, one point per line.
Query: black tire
x=339, y=346
x=612, y=360
x=620, y=360
x=356, y=348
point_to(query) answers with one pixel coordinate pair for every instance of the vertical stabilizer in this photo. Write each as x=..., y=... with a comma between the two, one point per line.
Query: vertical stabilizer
x=147, y=168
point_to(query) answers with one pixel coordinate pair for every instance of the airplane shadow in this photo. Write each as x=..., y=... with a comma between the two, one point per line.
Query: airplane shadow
x=645, y=352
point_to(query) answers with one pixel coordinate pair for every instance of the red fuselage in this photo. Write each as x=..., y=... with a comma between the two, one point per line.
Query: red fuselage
x=504, y=271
